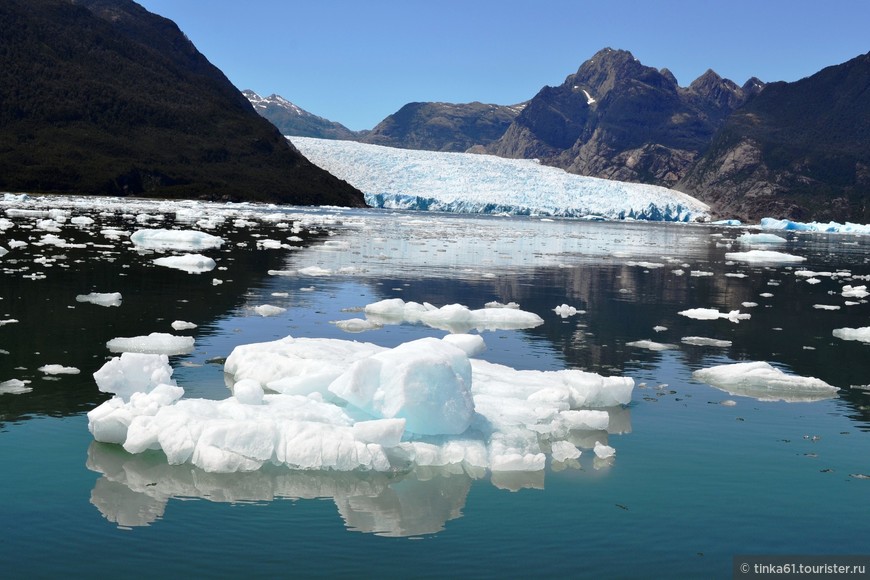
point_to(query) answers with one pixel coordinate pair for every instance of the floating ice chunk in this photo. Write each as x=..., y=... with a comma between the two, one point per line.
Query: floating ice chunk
x=763, y=381
x=761, y=239
x=660, y=328
x=764, y=257
x=491, y=416
x=855, y=291
x=6, y=321
x=603, y=451
x=713, y=314
x=426, y=381
x=101, y=298
x=180, y=240
x=650, y=345
x=314, y=271
x=269, y=310
x=133, y=372
x=190, y=263
x=703, y=341
x=58, y=370
x=826, y=307
x=859, y=334
x=183, y=325
x=455, y=318
x=14, y=387
x=82, y=220
x=3, y=251
x=564, y=450
x=565, y=311
x=496, y=304
x=357, y=325
x=154, y=343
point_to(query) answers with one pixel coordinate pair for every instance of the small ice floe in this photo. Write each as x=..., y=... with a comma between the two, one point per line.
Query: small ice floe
x=154, y=343
x=101, y=298
x=54, y=369
x=565, y=311
x=564, y=450
x=712, y=314
x=650, y=345
x=660, y=328
x=761, y=239
x=190, y=263
x=182, y=325
x=854, y=291
x=703, y=341
x=496, y=304
x=762, y=381
x=357, y=325
x=859, y=334
x=826, y=307
x=269, y=310
x=455, y=318
x=603, y=451
x=14, y=387
x=177, y=240
x=6, y=321
x=728, y=403
x=764, y=257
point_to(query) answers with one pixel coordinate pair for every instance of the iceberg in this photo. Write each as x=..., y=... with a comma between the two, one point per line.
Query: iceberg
x=154, y=343
x=712, y=314
x=180, y=240
x=830, y=227
x=190, y=263
x=484, y=184
x=101, y=298
x=455, y=318
x=763, y=381
x=328, y=404
x=860, y=334
x=764, y=257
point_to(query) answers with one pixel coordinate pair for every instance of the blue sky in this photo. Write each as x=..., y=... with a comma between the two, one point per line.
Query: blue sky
x=356, y=62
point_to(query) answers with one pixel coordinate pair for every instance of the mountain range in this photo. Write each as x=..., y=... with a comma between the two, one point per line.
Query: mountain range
x=797, y=150
x=104, y=97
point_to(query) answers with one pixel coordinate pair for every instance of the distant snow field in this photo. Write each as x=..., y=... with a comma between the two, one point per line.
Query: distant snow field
x=485, y=184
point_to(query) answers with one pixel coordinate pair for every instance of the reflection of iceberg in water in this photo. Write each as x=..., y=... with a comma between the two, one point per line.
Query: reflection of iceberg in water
x=135, y=489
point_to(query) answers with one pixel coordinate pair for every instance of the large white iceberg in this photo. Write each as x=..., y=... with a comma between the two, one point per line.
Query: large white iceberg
x=765, y=382
x=469, y=183
x=351, y=406
x=154, y=343
x=180, y=240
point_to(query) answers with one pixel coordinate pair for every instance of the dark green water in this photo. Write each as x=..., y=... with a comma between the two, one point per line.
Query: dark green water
x=693, y=481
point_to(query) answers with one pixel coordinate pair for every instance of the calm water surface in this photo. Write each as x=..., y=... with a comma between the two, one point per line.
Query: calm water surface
x=693, y=481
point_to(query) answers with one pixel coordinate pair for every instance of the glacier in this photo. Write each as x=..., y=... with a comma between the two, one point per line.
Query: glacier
x=484, y=184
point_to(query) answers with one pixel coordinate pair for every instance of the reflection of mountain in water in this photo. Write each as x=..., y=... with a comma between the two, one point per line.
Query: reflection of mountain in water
x=135, y=490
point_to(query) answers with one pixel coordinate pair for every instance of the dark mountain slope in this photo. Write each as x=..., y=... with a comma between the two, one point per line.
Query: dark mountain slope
x=618, y=119
x=798, y=150
x=442, y=126
x=103, y=97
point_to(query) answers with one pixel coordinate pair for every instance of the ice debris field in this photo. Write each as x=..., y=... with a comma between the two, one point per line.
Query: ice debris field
x=329, y=404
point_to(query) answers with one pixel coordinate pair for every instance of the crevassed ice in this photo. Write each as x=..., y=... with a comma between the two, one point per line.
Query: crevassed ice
x=346, y=405
x=468, y=183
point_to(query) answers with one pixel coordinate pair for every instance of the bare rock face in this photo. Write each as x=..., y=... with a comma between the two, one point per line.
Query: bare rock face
x=796, y=150
x=618, y=119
